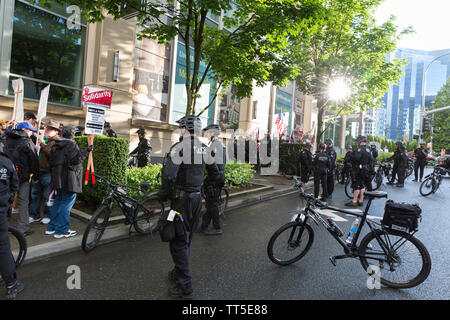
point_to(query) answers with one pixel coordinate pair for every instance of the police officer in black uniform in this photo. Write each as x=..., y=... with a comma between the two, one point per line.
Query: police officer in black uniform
x=142, y=151
x=402, y=165
x=321, y=165
x=212, y=189
x=399, y=167
x=421, y=161
x=181, y=181
x=330, y=176
x=346, y=171
x=109, y=132
x=306, y=162
x=373, y=149
x=362, y=163
x=9, y=184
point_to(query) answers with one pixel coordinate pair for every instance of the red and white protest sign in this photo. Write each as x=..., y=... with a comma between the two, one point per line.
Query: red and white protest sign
x=98, y=97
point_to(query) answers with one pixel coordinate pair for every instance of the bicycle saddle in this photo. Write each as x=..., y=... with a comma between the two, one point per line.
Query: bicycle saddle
x=376, y=194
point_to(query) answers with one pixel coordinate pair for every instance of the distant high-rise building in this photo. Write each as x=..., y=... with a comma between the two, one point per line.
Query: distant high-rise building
x=401, y=110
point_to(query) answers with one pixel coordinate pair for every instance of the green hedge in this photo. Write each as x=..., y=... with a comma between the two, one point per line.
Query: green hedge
x=150, y=173
x=110, y=160
x=382, y=156
x=238, y=174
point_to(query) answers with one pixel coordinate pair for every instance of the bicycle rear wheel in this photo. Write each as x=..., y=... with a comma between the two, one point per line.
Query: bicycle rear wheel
x=223, y=201
x=290, y=243
x=95, y=228
x=147, y=215
x=406, y=262
x=427, y=186
x=18, y=245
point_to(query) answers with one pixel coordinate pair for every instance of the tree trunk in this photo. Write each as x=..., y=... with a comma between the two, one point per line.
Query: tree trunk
x=360, y=127
x=321, y=102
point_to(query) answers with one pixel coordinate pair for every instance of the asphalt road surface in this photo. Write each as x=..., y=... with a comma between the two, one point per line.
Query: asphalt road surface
x=236, y=266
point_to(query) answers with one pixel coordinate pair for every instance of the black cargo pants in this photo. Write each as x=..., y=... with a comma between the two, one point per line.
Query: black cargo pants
x=212, y=194
x=190, y=206
x=7, y=264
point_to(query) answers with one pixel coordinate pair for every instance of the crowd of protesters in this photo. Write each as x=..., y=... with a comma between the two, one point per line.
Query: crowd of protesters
x=49, y=170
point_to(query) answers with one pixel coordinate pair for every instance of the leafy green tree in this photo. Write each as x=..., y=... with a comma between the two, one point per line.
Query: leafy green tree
x=251, y=48
x=441, y=127
x=348, y=45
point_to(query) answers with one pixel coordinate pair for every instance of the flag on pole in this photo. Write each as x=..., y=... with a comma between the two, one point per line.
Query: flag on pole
x=281, y=126
x=18, y=100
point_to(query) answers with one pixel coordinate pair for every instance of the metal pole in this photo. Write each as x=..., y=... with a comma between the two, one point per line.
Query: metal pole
x=431, y=133
x=424, y=83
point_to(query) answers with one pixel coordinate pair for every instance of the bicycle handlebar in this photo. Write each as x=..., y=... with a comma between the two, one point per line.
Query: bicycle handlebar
x=309, y=197
x=114, y=185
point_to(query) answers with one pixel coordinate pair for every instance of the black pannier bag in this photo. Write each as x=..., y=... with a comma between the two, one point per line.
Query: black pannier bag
x=401, y=216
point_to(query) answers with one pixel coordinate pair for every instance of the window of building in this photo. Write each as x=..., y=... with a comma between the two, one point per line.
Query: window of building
x=47, y=49
x=151, y=80
x=229, y=109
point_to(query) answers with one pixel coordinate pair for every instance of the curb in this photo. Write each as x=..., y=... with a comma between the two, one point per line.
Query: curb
x=118, y=232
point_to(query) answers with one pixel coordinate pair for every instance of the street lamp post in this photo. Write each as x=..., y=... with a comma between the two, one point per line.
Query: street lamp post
x=424, y=83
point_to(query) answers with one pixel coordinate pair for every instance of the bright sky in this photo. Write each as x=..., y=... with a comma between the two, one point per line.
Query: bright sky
x=430, y=20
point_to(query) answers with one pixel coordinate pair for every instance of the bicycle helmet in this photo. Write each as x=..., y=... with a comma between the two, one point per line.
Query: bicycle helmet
x=329, y=141
x=308, y=145
x=322, y=146
x=422, y=143
x=362, y=139
x=192, y=123
x=214, y=129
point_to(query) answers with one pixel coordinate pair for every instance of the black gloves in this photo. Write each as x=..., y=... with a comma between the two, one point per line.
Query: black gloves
x=90, y=148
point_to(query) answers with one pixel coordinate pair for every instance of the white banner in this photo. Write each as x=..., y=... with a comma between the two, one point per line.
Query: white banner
x=18, y=100
x=95, y=119
x=42, y=111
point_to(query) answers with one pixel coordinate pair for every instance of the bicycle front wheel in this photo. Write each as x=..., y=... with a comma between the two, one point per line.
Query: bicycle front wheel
x=18, y=245
x=348, y=188
x=427, y=186
x=147, y=215
x=403, y=260
x=290, y=243
x=95, y=228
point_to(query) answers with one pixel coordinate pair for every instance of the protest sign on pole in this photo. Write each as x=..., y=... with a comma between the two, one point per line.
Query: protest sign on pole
x=96, y=101
x=42, y=112
x=18, y=100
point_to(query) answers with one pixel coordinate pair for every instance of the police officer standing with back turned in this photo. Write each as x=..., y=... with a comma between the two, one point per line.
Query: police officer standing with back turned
x=9, y=184
x=212, y=189
x=399, y=168
x=362, y=162
x=181, y=181
x=346, y=171
x=421, y=161
x=321, y=164
x=330, y=176
x=306, y=163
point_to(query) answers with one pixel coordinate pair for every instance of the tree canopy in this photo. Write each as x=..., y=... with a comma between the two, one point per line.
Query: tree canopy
x=250, y=49
x=349, y=45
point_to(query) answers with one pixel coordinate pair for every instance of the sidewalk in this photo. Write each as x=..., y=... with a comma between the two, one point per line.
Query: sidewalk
x=41, y=246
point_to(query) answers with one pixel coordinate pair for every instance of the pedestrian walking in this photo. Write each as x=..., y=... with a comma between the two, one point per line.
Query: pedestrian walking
x=41, y=189
x=211, y=187
x=143, y=150
x=421, y=154
x=9, y=184
x=181, y=180
x=109, y=132
x=362, y=163
x=306, y=163
x=22, y=153
x=330, y=176
x=66, y=161
x=321, y=165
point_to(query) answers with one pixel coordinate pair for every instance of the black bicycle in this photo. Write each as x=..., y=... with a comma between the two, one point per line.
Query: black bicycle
x=18, y=245
x=402, y=259
x=432, y=181
x=142, y=213
x=384, y=170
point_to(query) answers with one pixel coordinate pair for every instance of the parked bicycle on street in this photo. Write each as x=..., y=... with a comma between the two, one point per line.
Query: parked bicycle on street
x=142, y=213
x=432, y=181
x=403, y=260
x=384, y=170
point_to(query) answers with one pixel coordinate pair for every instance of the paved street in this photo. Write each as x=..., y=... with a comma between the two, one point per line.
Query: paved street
x=235, y=265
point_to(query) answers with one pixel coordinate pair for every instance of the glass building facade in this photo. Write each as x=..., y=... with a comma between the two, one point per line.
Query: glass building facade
x=403, y=101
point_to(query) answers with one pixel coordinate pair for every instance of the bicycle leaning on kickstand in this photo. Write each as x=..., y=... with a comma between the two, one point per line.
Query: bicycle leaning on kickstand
x=142, y=213
x=403, y=260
